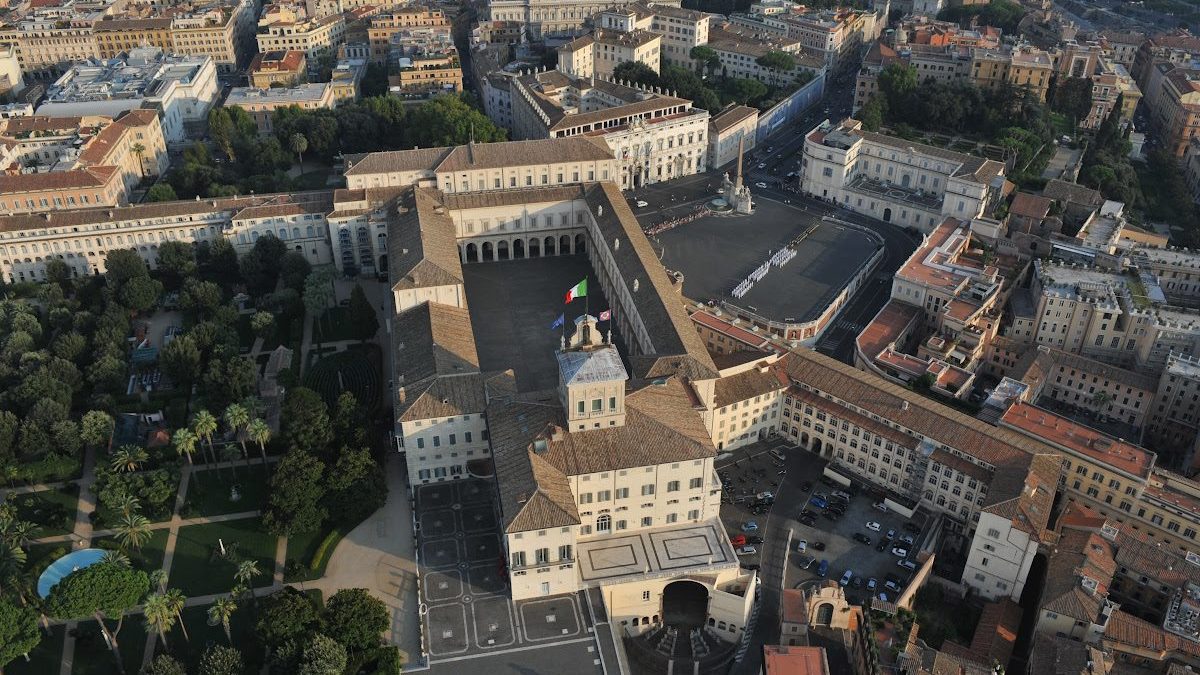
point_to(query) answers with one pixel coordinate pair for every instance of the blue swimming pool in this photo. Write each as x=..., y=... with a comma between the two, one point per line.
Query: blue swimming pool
x=60, y=568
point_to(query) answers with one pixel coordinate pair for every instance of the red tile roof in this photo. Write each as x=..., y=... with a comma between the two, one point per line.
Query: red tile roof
x=886, y=327
x=795, y=660
x=1063, y=432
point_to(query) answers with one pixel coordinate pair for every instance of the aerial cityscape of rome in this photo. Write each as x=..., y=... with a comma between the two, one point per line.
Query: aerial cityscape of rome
x=599, y=337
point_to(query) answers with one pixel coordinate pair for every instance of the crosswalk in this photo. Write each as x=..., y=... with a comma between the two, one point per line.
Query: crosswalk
x=838, y=332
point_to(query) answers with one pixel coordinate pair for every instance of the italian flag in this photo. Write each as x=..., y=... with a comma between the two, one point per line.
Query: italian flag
x=579, y=290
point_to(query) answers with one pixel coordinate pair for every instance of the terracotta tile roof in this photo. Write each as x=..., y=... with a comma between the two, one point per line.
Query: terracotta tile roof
x=1030, y=206
x=1061, y=190
x=996, y=632
x=1023, y=491
x=794, y=606
x=422, y=245
x=1141, y=555
x=1062, y=432
x=745, y=385
x=137, y=117
x=991, y=445
x=661, y=426
x=1053, y=655
x=730, y=116
x=1079, y=553
x=542, y=151
x=892, y=320
x=783, y=660
x=75, y=179
x=394, y=161
x=281, y=61
x=26, y=125
x=101, y=145
x=748, y=338
x=1127, y=630
x=740, y=358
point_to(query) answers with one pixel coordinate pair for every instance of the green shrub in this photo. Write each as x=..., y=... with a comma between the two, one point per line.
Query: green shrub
x=328, y=544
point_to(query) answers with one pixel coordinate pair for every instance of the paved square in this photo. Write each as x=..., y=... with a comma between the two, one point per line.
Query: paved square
x=433, y=496
x=442, y=586
x=486, y=579
x=548, y=619
x=475, y=492
x=440, y=553
x=439, y=523
x=448, y=634
x=512, y=305
x=493, y=623
x=478, y=519
x=715, y=253
x=483, y=548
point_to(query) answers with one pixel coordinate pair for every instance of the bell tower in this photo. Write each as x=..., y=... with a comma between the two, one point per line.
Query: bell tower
x=591, y=378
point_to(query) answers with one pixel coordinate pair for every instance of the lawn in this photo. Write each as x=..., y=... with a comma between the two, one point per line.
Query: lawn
x=92, y=657
x=210, y=494
x=355, y=370
x=201, y=635
x=300, y=550
x=41, y=555
x=199, y=569
x=149, y=557
x=45, y=658
x=53, y=511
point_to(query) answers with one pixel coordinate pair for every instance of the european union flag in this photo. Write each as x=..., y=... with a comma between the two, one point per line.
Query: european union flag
x=558, y=322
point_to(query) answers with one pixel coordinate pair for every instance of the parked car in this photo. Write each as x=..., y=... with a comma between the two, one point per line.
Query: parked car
x=906, y=564
x=899, y=552
x=804, y=561
x=801, y=546
x=817, y=545
x=737, y=540
x=846, y=577
x=892, y=585
x=754, y=539
x=823, y=568
x=641, y=204
x=808, y=520
x=765, y=496
x=747, y=550
x=891, y=534
x=862, y=538
x=872, y=584
x=841, y=494
x=908, y=539
x=872, y=526
x=818, y=502
x=749, y=526
x=880, y=506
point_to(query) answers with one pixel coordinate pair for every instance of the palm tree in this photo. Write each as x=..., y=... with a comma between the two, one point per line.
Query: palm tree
x=133, y=531
x=220, y=612
x=175, y=602
x=185, y=443
x=205, y=425
x=126, y=504
x=138, y=149
x=238, y=417
x=246, y=572
x=12, y=565
x=260, y=433
x=158, y=614
x=230, y=454
x=115, y=558
x=158, y=579
x=128, y=458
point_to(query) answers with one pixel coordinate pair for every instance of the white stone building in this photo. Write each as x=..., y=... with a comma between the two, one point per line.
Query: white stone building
x=895, y=180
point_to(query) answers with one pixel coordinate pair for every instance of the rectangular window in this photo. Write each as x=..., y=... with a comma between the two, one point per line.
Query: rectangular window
x=622, y=493
x=564, y=552
x=648, y=490
x=647, y=521
x=542, y=555
x=612, y=402
x=696, y=483
x=518, y=559
x=673, y=486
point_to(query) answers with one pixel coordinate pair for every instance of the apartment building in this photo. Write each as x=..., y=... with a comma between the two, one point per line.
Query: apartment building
x=1175, y=105
x=184, y=88
x=261, y=104
x=427, y=74
x=283, y=68
x=835, y=37
x=895, y=180
x=738, y=48
x=655, y=137
x=404, y=30
x=72, y=188
x=285, y=27
x=221, y=31
x=544, y=18
x=1075, y=602
x=729, y=131
x=600, y=52
x=1121, y=46
x=83, y=237
x=117, y=36
x=1175, y=415
x=941, y=63
x=47, y=38
x=681, y=31
x=1177, y=271
x=1176, y=48
x=12, y=80
x=1024, y=67
x=1110, y=82
x=947, y=301
x=1080, y=384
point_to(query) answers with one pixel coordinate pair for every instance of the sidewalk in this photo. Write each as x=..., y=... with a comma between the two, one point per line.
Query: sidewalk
x=378, y=555
x=82, y=536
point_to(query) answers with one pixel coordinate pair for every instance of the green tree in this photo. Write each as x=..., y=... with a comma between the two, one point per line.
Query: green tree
x=298, y=144
x=69, y=346
x=133, y=531
x=294, y=269
x=318, y=295
x=258, y=432
x=262, y=324
x=221, y=660
x=450, y=120
x=1073, y=98
x=201, y=298
x=238, y=417
x=58, y=272
x=294, y=505
x=284, y=615
x=355, y=618
x=158, y=616
x=184, y=442
x=871, y=114
x=18, y=632
x=180, y=360
x=101, y=592
x=706, y=58
x=356, y=486
x=97, y=428
x=636, y=73
x=363, y=319
x=127, y=458
x=221, y=130
x=161, y=192
x=220, y=613
x=260, y=267
x=306, y=423
x=777, y=62
x=322, y=655
x=140, y=293
x=247, y=572
x=374, y=81
x=744, y=90
x=204, y=425
x=124, y=264
x=164, y=664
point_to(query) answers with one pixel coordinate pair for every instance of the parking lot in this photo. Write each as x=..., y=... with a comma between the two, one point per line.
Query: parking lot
x=752, y=470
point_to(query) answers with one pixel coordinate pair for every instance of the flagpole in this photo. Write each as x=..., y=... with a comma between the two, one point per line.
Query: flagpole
x=586, y=295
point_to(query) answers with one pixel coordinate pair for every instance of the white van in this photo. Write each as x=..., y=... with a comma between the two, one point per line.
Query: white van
x=777, y=455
